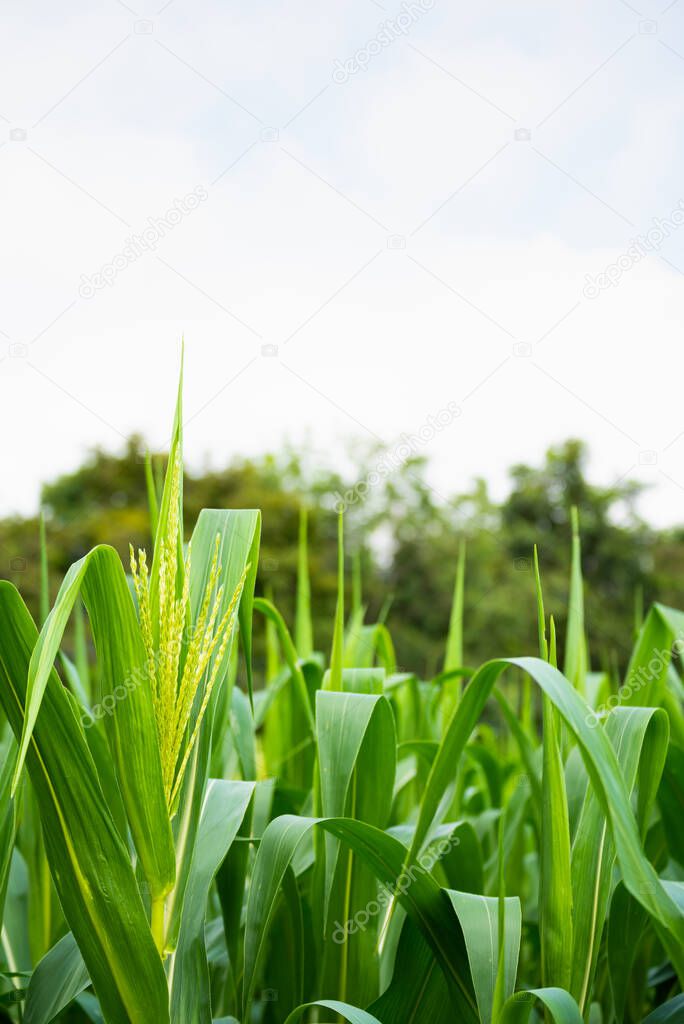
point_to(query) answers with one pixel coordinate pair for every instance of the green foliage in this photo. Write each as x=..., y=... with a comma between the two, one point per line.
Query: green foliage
x=347, y=839
x=107, y=501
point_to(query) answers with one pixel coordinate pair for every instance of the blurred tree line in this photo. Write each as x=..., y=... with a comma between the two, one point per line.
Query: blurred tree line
x=405, y=538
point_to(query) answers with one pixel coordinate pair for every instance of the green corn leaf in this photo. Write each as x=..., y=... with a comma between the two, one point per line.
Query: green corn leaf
x=528, y=753
x=58, y=978
x=343, y=722
x=672, y=703
x=627, y=924
x=646, y=676
x=555, y=885
x=273, y=658
x=405, y=845
x=366, y=644
x=671, y=1012
x=152, y=499
x=337, y=655
x=364, y=680
x=418, y=893
x=559, y=1005
x=242, y=734
x=81, y=652
x=453, y=657
x=89, y=1006
x=671, y=802
x=575, y=665
x=357, y=583
x=73, y=680
x=125, y=701
x=285, y=966
x=404, y=693
x=89, y=862
x=354, y=641
x=45, y=919
x=639, y=738
x=349, y=1013
x=604, y=771
x=288, y=737
x=225, y=805
x=553, y=653
x=289, y=653
x=106, y=773
x=418, y=992
x=14, y=950
x=239, y=531
x=303, y=620
x=541, y=618
x=8, y=810
x=225, y=725
x=479, y=919
x=555, y=897
x=356, y=741
x=462, y=864
x=504, y=982
x=230, y=888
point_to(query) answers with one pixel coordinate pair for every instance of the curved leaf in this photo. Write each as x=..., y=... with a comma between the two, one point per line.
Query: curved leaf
x=604, y=770
x=89, y=862
x=125, y=701
x=417, y=891
x=671, y=1012
x=479, y=918
x=268, y=609
x=418, y=992
x=224, y=808
x=639, y=737
x=559, y=1004
x=350, y=1013
x=356, y=742
x=58, y=978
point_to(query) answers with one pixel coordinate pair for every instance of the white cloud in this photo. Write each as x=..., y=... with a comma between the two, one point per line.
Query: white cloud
x=292, y=242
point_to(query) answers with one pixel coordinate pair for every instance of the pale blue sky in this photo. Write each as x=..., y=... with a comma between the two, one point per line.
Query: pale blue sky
x=418, y=234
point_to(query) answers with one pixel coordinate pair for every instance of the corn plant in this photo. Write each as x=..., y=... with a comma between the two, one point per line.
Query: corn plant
x=347, y=841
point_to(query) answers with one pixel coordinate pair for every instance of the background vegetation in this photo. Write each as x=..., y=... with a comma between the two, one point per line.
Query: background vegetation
x=411, y=557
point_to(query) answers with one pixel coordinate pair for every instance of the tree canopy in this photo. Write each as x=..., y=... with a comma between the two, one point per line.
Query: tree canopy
x=404, y=538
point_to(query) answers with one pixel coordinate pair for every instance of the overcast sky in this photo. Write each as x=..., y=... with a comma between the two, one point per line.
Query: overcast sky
x=357, y=213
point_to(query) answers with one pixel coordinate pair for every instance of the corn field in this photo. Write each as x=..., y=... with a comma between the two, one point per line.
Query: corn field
x=347, y=842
